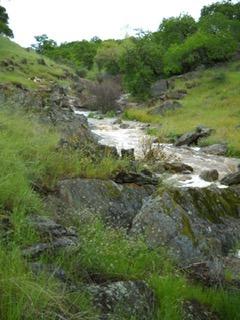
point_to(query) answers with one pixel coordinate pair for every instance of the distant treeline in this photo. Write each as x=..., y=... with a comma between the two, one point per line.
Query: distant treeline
x=181, y=44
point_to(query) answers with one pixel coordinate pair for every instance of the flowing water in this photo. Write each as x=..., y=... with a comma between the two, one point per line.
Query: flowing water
x=132, y=134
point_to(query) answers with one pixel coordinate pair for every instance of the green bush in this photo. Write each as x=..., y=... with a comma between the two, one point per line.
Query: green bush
x=201, y=48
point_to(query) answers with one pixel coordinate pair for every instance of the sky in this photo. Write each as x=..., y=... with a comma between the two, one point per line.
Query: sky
x=70, y=20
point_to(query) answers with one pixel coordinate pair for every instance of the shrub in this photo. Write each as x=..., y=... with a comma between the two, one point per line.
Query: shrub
x=201, y=48
x=106, y=93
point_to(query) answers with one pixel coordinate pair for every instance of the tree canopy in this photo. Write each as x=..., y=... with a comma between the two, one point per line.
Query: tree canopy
x=4, y=28
x=180, y=44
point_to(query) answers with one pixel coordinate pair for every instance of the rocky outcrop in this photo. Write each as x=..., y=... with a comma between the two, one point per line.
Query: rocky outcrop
x=231, y=179
x=116, y=204
x=191, y=138
x=124, y=298
x=193, y=223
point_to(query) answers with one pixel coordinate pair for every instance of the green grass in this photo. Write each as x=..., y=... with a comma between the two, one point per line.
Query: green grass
x=214, y=102
x=109, y=255
x=23, y=72
x=29, y=157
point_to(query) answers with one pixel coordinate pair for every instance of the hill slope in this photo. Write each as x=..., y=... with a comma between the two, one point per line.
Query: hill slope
x=25, y=67
x=212, y=101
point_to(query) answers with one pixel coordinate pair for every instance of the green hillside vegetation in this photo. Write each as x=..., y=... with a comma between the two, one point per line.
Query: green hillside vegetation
x=214, y=102
x=32, y=163
x=28, y=158
x=21, y=66
x=180, y=45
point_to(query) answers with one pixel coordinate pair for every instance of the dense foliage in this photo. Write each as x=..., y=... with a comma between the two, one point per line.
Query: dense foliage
x=4, y=28
x=181, y=44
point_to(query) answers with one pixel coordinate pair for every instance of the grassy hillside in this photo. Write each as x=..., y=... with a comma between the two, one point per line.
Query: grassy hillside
x=213, y=102
x=20, y=66
x=29, y=159
x=29, y=156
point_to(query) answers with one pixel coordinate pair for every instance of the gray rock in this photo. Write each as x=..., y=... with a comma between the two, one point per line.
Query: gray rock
x=49, y=229
x=194, y=310
x=118, y=121
x=216, y=149
x=209, y=175
x=36, y=250
x=177, y=167
x=116, y=204
x=193, y=223
x=137, y=178
x=124, y=126
x=159, y=87
x=124, y=299
x=231, y=179
x=209, y=273
x=165, y=106
x=106, y=151
x=191, y=138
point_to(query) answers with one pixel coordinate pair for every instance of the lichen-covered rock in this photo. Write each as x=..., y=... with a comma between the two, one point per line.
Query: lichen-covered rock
x=49, y=229
x=54, y=236
x=36, y=250
x=116, y=204
x=123, y=299
x=140, y=179
x=194, y=310
x=193, y=223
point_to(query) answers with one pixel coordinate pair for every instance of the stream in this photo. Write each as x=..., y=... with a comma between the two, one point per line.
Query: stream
x=132, y=134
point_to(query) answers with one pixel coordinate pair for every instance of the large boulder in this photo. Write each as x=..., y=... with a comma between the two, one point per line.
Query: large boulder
x=193, y=223
x=116, y=204
x=191, y=138
x=159, y=87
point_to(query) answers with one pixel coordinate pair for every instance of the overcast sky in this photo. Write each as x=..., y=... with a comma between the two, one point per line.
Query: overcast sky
x=68, y=20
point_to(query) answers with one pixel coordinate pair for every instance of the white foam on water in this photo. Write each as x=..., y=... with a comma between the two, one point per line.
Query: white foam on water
x=110, y=133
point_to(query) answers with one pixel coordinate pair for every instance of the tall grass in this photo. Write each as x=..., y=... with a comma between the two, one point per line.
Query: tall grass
x=107, y=255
